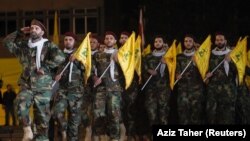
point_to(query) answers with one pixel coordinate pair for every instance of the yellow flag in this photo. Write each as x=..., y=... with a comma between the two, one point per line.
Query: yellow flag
x=83, y=54
x=202, y=55
x=126, y=58
x=147, y=50
x=56, y=33
x=138, y=56
x=170, y=59
x=239, y=57
x=247, y=79
x=238, y=41
x=179, y=49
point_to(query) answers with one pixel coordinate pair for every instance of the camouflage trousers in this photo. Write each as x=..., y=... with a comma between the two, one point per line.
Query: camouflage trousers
x=41, y=107
x=220, y=104
x=157, y=105
x=129, y=109
x=107, y=113
x=190, y=103
x=86, y=111
x=243, y=106
x=70, y=99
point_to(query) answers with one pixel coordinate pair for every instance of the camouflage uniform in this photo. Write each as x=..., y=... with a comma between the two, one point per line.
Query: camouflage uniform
x=157, y=92
x=221, y=92
x=35, y=88
x=106, y=105
x=70, y=96
x=88, y=100
x=243, y=102
x=189, y=92
x=129, y=107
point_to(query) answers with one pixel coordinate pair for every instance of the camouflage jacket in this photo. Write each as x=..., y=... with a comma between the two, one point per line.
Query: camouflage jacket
x=77, y=75
x=219, y=76
x=151, y=62
x=51, y=57
x=100, y=62
x=191, y=76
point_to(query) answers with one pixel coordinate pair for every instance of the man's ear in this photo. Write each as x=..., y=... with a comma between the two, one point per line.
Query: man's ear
x=225, y=41
x=42, y=33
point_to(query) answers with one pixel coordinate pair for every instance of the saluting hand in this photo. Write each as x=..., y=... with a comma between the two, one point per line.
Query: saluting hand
x=25, y=30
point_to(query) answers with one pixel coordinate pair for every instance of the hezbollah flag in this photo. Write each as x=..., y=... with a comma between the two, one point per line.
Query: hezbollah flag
x=138, y=56
x=247, y=79
x=202, y=55
x=147, y=50
x=126, y=58
x=170, y=59
x=56, y=33
x=239, y=57
x=179, y=49
x=83, y=54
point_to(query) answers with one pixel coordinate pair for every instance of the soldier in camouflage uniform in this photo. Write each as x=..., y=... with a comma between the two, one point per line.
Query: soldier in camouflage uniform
x=243, y=103
x=128, y=101
x=70, y=91
x=89, y=92
x=157, y=90
x=108, y=91
x=243, y=98
x=221, y=88
x=38, y=57
x=190, y=86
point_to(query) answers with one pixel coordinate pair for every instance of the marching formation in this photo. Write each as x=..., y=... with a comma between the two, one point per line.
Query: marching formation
x=118, y=92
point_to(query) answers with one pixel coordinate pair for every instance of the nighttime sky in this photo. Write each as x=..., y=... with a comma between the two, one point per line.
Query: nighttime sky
x=175, y=18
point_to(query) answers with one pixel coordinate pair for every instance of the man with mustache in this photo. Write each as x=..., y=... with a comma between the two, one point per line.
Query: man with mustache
x=221, y=87
x=107, y=99
x=190, y=91
x=38, y=57
x=157, y=91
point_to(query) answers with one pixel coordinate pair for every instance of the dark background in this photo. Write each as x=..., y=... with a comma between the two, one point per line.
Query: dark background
x=175, y=18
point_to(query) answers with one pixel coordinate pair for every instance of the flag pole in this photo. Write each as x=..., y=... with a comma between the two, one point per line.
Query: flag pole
x=176, y=81
x=103, y=73
x=215, y=68
x=61, y=73
x=150, y=76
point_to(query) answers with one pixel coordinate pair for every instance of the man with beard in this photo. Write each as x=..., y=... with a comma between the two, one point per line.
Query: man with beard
x=38, y=58
x=123, y=38
x=89, y=92
x=106, y=106
x=190, y=86
x=221, y=88
x=157, y=91
x=128, y=101
x=71, y=91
